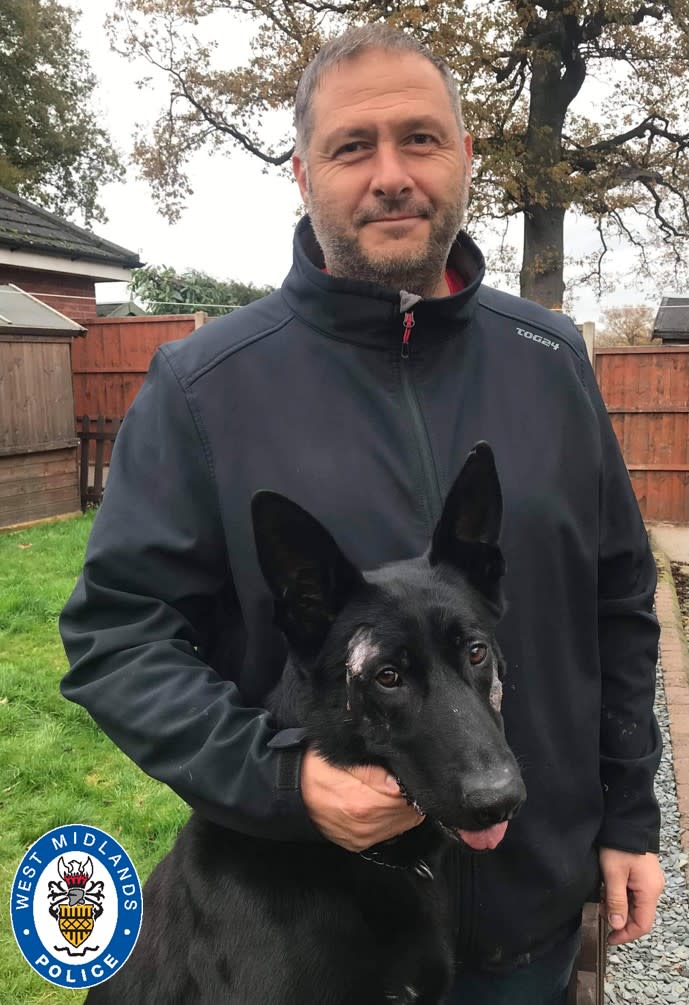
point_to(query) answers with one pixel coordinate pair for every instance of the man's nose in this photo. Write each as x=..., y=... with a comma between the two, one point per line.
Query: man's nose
x=390, y=175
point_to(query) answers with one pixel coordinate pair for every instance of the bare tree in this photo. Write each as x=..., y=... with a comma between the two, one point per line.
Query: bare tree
x=626, y=325
x=622, y=162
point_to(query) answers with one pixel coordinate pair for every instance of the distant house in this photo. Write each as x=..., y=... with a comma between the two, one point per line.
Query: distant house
x=672, y=320
x=55, y=261
x=119, y=309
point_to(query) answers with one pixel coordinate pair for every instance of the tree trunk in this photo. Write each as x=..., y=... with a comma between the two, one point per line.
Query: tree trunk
x=542, y=265
x=557, y=73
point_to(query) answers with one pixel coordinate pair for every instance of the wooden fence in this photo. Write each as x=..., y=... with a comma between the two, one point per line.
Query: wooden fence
x=38, y=449
x=109, y=365
x=646, y=393
x=96, y=440
x=645, y=389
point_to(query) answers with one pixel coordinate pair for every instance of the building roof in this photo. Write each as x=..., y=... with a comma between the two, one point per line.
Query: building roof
x=672, y=319
x=25, y=227
x=119, y=309
x=25, y=315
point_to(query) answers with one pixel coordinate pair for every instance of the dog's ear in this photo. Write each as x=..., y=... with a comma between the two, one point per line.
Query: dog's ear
x=468, y=531
x=308, y=575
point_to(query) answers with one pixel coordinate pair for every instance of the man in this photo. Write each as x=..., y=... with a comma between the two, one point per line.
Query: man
x=357, y=390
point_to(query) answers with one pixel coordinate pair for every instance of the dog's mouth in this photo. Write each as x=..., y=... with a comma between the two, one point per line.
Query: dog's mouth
x=485, y=839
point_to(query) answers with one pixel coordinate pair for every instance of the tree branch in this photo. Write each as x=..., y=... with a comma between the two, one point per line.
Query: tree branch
x=220, y=124
x=582, y=159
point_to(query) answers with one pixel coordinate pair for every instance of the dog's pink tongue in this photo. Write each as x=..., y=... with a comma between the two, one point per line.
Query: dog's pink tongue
x=483, y=840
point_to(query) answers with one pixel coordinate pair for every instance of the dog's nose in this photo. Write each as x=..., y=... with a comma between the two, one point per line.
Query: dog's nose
x=494, y=798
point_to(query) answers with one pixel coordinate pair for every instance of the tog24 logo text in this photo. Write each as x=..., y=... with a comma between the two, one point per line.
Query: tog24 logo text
x=537, y=338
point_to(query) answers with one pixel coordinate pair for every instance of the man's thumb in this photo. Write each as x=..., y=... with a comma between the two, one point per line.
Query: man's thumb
x=376, y=777
x=616, y=905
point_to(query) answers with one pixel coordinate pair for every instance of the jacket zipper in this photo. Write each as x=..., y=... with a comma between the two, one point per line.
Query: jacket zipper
x=408, y=325
x=431, y=495
x=464, y=893
x=463, y=886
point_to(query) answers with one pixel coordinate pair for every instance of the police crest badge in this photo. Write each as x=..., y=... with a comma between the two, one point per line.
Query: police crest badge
x=76, y=903
x=76, y=906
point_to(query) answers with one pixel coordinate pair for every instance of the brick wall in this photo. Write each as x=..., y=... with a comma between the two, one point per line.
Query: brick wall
x=73, y=296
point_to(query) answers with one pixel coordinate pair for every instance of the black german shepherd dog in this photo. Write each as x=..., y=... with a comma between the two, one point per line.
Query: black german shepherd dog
x=397, y=667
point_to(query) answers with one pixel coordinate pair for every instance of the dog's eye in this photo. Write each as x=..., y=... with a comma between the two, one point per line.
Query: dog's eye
x=477, y=653
x=388, y=677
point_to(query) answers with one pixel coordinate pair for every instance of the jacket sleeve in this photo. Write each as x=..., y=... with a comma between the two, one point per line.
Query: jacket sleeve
x=630, y=741
x=132, y=628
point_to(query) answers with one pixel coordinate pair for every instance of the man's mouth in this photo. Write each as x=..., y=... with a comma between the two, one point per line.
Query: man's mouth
x=404, y=216
x=396, y=219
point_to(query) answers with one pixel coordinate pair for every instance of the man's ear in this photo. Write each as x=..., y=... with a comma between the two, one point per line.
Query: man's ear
x=467, y=534
x=301, y=173
x=468, y=160
x=308, y=575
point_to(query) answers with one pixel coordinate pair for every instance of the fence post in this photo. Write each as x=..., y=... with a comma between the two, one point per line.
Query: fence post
x=588, y=330
x=200, y=318
x=84, y=468
x=100, y=435
x=100, y=448
x=587, y=985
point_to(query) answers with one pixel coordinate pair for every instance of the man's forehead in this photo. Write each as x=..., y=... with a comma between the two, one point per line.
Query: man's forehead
x=379, y=83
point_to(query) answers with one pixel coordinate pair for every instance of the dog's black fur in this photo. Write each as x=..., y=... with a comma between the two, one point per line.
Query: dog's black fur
x=396, y=667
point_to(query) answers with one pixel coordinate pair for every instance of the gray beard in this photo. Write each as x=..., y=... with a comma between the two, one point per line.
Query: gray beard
x=419, y=272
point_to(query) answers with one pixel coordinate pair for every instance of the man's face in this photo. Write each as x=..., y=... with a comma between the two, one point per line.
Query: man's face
x=386, y=175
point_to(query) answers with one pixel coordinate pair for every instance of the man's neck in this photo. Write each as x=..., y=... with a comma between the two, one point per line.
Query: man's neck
x=443, y=287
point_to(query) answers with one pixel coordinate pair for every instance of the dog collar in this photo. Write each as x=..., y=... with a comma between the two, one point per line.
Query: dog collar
x=420, y=867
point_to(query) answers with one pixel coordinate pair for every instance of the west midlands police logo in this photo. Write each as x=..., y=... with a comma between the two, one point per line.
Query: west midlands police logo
x=76, y=906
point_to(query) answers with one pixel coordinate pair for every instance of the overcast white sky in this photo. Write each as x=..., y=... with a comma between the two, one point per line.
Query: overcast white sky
x=239, y=222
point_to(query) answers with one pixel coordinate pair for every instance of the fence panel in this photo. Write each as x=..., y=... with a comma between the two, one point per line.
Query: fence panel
x=110, y=363
x=95, y=438
x=645, y=389
x=646, y=393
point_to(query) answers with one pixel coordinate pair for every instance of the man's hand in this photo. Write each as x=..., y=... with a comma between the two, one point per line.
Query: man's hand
x=354, y=807
x=633, y=884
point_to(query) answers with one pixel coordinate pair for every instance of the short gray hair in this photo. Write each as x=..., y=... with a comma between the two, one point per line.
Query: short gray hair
x=351, y=43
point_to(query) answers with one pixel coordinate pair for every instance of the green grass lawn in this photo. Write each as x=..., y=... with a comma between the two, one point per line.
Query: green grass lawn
x=56, y=767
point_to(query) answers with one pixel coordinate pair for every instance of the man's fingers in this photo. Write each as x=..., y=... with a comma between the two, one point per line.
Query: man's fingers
x=633, y=884
x=356, y=807
x=376, y=778
x=640, y=922
x=372, y=836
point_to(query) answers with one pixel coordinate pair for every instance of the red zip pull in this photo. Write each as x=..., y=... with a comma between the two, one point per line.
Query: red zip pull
x=408, y=325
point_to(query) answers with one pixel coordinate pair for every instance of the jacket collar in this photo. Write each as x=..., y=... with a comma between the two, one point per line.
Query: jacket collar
x=367, y=314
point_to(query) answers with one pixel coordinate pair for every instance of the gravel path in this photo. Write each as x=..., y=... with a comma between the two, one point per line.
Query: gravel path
x=655, y=970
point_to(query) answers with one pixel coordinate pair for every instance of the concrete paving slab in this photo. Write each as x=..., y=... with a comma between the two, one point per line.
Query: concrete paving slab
x=672, y=539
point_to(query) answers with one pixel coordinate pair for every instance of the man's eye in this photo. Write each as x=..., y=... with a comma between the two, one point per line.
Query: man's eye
x=349, y=148
x=421, y=139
